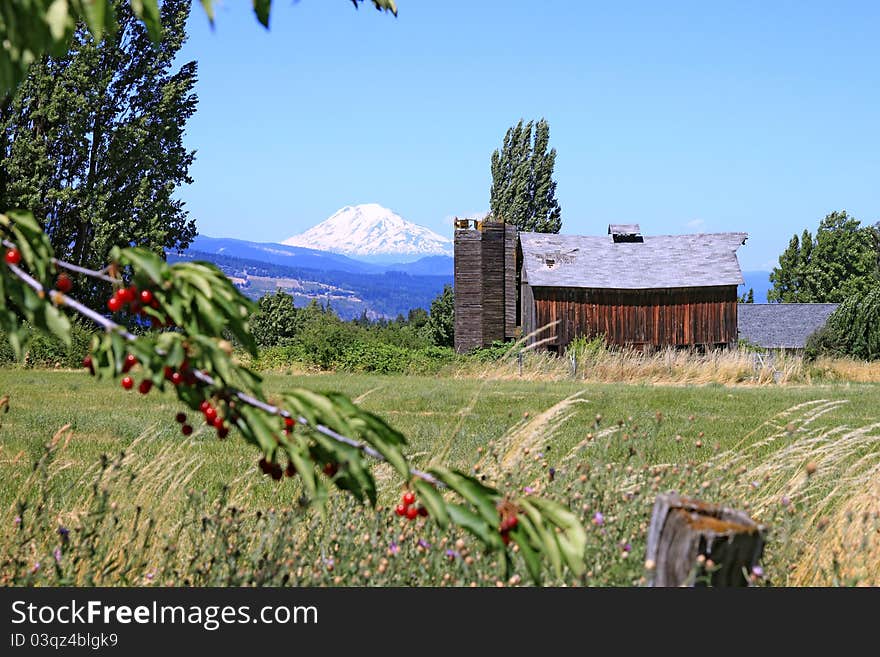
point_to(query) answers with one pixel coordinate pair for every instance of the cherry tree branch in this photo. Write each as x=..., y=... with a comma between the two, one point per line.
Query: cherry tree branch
x=60, y=299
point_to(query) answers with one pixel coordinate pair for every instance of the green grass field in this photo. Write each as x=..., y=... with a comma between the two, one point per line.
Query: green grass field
x=743, y=445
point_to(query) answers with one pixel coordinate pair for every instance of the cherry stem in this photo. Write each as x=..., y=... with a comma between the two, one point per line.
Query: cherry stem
x=207, y=379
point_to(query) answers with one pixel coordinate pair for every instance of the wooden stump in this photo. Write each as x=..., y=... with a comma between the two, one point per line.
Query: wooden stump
x=682, y=530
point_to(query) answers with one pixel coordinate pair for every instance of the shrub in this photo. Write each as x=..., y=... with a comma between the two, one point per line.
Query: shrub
x=852, y=330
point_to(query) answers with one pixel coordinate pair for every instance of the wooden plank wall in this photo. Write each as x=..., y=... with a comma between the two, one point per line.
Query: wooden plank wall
x=485, y=274
x=493, y=282
x=511, y=237
x=679, y=316
x=468, y=268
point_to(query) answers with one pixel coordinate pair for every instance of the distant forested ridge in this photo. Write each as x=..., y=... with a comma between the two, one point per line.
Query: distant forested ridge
x=381, y=295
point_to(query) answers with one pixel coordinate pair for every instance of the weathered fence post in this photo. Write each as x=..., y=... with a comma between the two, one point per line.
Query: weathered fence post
x=692, y=543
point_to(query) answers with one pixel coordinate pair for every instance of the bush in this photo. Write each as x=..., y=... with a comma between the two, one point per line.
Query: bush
x=46, y=350
x=852, y=330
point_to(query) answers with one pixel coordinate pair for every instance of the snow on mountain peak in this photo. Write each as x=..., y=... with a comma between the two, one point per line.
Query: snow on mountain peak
x=371, y=230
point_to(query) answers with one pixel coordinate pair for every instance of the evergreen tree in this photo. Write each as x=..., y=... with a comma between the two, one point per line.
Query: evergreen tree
x=523, y=191
x=840, y=261
x=92, y=142
x=748, y=297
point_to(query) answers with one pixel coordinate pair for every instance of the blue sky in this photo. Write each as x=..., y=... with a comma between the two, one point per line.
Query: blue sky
x=682, y=116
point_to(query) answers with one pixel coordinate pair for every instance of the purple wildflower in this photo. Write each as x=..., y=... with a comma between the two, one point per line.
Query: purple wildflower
x=150, y=576
x=328, y=561
x=57, y=554
x=627, y=547
x=394, y=548
x=598, y=519
x=17, y=521
x=36, y=567
x=452, y=554
x=757, y=571
x=528, y=490
x=423, y=543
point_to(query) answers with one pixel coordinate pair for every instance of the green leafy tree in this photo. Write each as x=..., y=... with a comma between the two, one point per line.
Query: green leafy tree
x=840, y=261
x=93, y=140
x=276, y=320
x=523, y=191
x=441, y=322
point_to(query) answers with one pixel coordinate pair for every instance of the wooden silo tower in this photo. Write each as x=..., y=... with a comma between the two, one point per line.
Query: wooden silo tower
x=486, y=302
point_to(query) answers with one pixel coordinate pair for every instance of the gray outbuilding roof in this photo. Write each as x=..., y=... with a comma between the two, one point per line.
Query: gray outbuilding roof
x=662, y=261
x=781, y=325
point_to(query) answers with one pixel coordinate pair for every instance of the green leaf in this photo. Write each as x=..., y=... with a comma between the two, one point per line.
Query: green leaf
x=208, y=6
x=482, y=497
x=530, y=557
x=96, y=14
x=262, y=8
x=572, y=539
x=57, y=323
x=547, y=538
x=471, y=522
x=145, y=262
x=433, y=501
x=58, y=19
x=148, y=12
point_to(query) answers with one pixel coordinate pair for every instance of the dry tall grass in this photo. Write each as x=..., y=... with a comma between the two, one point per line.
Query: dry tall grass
x=670, y=367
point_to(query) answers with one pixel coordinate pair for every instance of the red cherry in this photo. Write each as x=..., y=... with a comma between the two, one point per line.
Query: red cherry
x=290, y=470
x=505, y=537
x=217, y=422
x=408, y=498
x=145, y=386
x=400, y=510
x=176, y=378
x=154, y=304
x=186, y=429
x=330, y=469
x=130, y=361
x=146, y=297
x=288, y=422
x=13, y=256
x=180, y=417
x=222, y=432
x=63, y=283
x=265, y=467
x=423, y=512
x=131, y=294
x=205, y=405
x=276, y=472
x=411, y=512
x=89, y=364
x=127, y=382
x=168, y=372
x=114, y=304
x=210, y=415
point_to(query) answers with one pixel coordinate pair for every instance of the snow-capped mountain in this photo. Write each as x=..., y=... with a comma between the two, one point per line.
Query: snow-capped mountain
x=371, y=231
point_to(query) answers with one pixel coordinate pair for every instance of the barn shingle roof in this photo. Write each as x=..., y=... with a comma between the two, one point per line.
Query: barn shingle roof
x=781, y=325
x=662, y=261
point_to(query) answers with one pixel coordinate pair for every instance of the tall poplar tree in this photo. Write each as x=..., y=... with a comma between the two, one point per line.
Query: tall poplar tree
x=523, y=191
x=92, y=142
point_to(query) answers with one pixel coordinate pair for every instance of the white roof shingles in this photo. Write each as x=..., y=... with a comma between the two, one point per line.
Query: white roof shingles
x=662, y=261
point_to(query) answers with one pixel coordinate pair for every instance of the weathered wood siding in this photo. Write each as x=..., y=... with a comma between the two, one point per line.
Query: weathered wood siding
x=485, y=270
x=678, y=316
x=511, y=240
